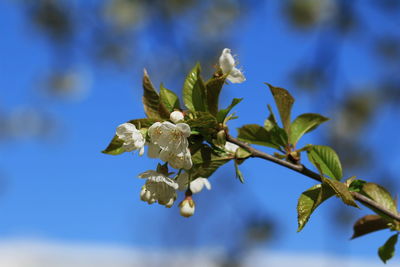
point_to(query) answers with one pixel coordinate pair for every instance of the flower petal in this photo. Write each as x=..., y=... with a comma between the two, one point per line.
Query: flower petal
x=153, y=151
x=184, y=128
x=236, y=76
x=226, y=61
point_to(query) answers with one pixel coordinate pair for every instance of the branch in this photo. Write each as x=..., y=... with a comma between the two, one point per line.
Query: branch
x=309, y=173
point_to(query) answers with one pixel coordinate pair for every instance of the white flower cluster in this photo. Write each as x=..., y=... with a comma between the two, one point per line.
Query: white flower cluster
x=168, y=141
x=158, y=188
x=162, y=189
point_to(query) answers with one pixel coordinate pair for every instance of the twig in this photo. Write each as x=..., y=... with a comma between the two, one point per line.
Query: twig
x=309, y=173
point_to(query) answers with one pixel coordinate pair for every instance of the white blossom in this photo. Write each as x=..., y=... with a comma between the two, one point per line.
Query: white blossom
x=187, y=207
x=195, y=186
x=169, y=143
x=158, y=188
x=228, y=66
x=132, y=137
x=176, y=116
x=231, y=147
x=198, y=184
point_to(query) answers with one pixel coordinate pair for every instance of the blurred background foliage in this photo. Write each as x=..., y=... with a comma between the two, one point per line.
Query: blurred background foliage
x=92, y=38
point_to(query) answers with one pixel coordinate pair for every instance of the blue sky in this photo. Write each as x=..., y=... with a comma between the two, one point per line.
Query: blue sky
x=65, y=189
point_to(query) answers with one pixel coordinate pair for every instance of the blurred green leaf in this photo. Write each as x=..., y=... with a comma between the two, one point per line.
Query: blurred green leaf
x=214, y=87
x=341, y=191
x=169, y=99
x=194, y=91
x=369, y=224
x=256, y=134
x=284, y=101
x=304, y=124
x=221, y=115
x=380, y=195
x=115, y=147
x=386, y=252
x=309, y=200
x=151, y=101
x=327, y=159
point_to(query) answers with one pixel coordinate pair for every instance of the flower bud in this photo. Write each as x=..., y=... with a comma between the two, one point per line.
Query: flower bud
x=221, y=138
x=176, y=116
x=187, y=207
x=170, y=203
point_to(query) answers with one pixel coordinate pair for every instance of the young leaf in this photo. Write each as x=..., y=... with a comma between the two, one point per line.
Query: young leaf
x=115, y=147
x=194, y=91
x=341, y=191
x=380, y=195
x=271, y=121
x=369, y=224
x=151, y=100
x=221, y=115
x=214, y=87
x=169, y=99
x=309, y=201
x=327, y=159
x=255, y=134
x=278, y=134
x=386, y=252
x=239, y=174
x=303, y=124
x=284, y=101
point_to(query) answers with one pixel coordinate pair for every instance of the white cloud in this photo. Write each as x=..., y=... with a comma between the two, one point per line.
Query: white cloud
x=40, y=253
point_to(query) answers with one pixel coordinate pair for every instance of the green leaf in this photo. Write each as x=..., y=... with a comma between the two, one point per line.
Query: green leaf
x=221, y=115
x=239, y=174
x=380, y=195
x=271, y=121
x=214, y=87
x=303, y=124
x=115, y=147
x=357, y=185
x=369, y=224
x=309, y=200
x=341, y=191
x=386, y=252
x=151, y=100
x=169, y=99
x=194, y=91
x=203, y=120
x=327, y=159
x=278, y=134
x=284, y=101
x=206, y=162
x=256, y=134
